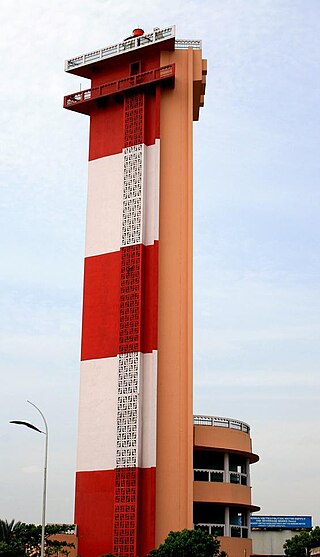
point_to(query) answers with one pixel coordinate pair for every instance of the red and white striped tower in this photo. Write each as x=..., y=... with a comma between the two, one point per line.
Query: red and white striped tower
x=137, y=315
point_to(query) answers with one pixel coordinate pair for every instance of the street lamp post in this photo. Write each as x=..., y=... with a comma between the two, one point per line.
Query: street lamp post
x=44, y=496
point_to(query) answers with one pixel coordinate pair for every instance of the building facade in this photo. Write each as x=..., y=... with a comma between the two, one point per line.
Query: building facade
x=134, y=480
x=222, y=456
x=270, y=532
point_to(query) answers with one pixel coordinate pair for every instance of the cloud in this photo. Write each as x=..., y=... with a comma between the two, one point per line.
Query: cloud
x=31, y=469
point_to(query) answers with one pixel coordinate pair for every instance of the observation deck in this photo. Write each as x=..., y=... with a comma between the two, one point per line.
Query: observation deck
x=221, y=422
x=153, y=48
x=82, y=100
x=222, y=505
x=223, y=434
x=77, y=65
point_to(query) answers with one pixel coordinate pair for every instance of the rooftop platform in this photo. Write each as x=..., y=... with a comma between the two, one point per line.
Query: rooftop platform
x=78, y=65
x=221, y=422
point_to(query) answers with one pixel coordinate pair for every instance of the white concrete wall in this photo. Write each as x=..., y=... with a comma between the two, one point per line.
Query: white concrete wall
x=270, y=542
x=98, y=413
x=105, y=199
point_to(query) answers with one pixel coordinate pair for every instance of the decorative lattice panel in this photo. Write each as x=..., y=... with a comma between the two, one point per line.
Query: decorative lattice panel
x=128, y=410
x=125, y=512
x=130, y=299
x=127, y=456
x=132, y=195
x=134, y=120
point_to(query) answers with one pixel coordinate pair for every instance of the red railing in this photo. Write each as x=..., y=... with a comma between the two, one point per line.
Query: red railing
x=152, y=76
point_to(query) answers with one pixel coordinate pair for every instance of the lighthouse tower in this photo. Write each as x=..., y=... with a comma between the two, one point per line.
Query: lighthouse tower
x=134, y=466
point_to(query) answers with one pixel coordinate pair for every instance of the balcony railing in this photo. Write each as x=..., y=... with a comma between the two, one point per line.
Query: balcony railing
x=113, y=87
x=133, y=43
x=213, y=529
x=206, y=475
x=238, y=478
x=239, y=531
x=184, y=44
x=209, y=475
x=221, y=422
x=221, y=530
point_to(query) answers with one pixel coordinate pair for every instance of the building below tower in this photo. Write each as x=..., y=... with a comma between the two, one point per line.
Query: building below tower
x=222, y=455
x=222, y=505
x=270, y=532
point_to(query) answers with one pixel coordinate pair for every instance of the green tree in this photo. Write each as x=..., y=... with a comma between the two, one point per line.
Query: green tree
x=300, y=545
x=7, y=551
x=20, y=539
x=8, y=530
x=188, y=543
x=30, y=534
x=9, y=533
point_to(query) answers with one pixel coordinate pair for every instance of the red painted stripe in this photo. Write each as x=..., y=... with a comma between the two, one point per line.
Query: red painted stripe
x=94, y=511
x=101, y=304
x=112, y=70
x=146, y=511
x=106, y=129
x=149, y=299
x=107, y=123
x=107, y=119
x=100, y=320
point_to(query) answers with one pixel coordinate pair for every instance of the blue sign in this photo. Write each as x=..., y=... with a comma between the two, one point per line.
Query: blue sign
x=283, y=522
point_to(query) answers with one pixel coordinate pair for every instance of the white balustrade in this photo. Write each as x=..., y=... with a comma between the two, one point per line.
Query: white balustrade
x=216, y=421
x=133, y=43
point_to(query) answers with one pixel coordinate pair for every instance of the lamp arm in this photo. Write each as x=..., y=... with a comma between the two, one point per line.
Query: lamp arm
x=44, y=497
x=42, y=416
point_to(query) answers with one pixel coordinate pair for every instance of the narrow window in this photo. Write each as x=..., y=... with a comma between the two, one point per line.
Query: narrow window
x=135, y=68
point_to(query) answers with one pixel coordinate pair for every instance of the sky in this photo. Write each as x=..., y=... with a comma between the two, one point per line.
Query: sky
x=256, y=236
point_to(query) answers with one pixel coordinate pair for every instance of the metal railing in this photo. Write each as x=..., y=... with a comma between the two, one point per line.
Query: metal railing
x=239, y=531
x=221, y=530
x=210, y=475
x=133, y=43
x=213, y=529
x=238, y=478
x=165, y=72
x=207, y=475
x=184, y=44
x=221, y=422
